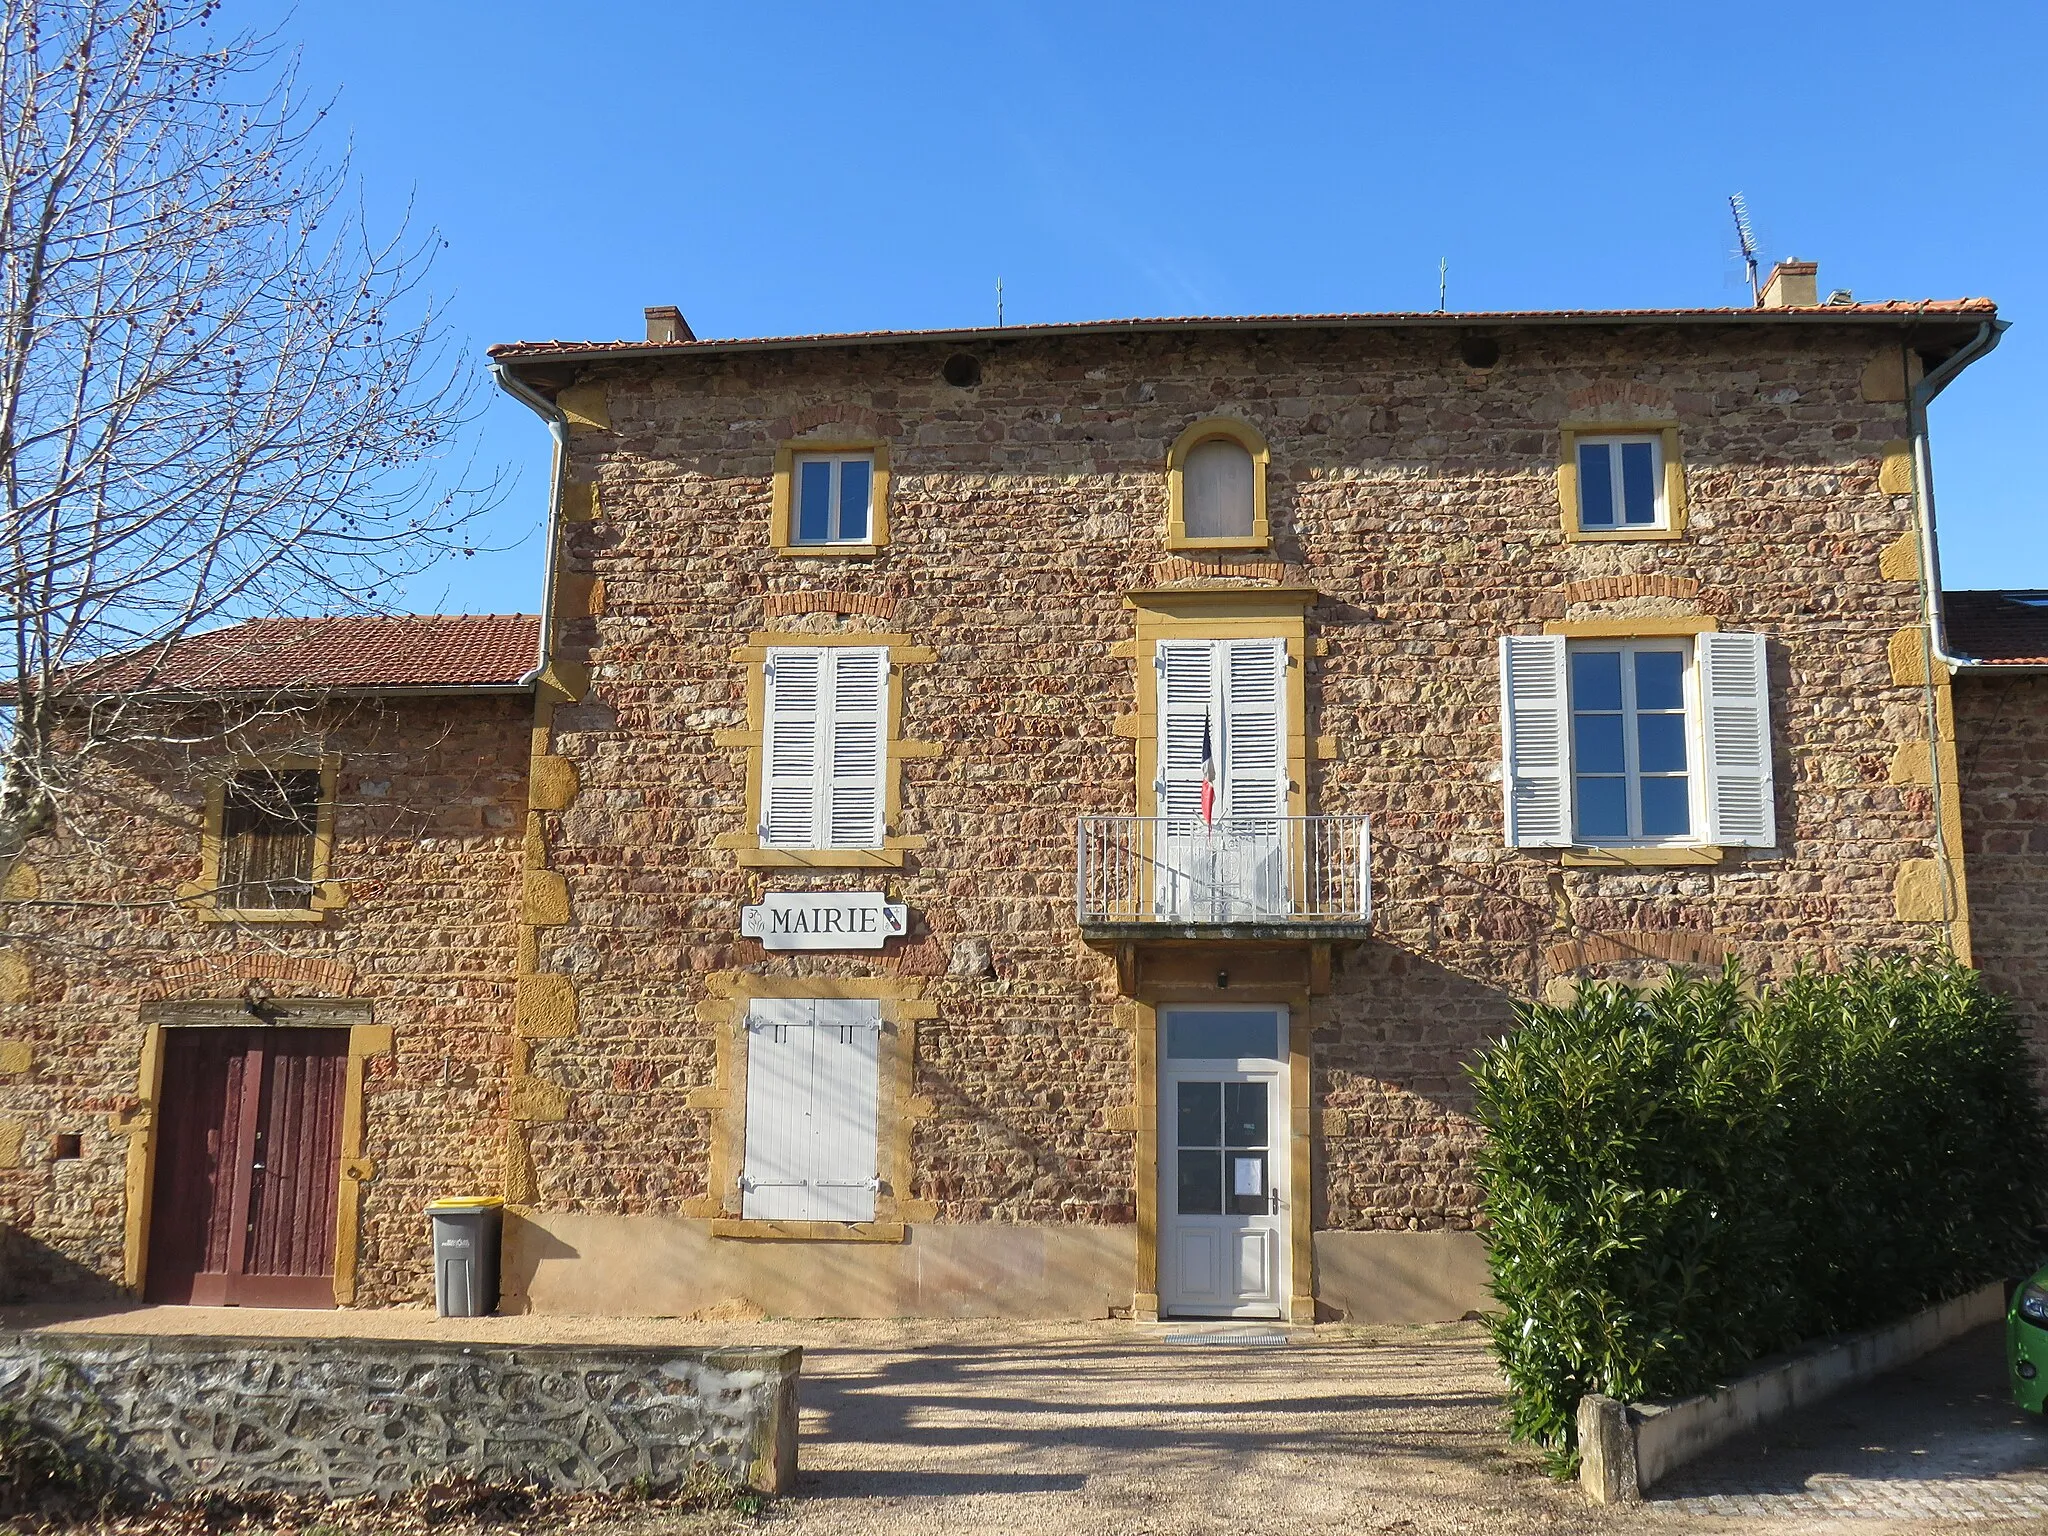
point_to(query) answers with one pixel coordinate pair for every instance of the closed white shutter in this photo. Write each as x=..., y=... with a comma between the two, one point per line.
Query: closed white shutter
x=823, y=747
x=1187, y=699
x=812, y=1078
x=846, y=1041
x=1536, y=762
x=795, y=685
x=1735, y=718
x=860, y=690
x=776, y=1183
x=1254, y=728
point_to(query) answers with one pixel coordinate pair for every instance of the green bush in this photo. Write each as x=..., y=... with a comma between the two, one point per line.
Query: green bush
x=1680, y=1181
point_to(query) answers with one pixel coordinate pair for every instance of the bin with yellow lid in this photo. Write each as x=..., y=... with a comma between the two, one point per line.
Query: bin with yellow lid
x=466, y=1234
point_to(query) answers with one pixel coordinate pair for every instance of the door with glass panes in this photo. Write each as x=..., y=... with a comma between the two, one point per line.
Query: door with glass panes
x=1224, y=1201
x=1222, y=783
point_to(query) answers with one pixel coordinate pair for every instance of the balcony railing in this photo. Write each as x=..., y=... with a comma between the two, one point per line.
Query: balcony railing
x=1258, y=872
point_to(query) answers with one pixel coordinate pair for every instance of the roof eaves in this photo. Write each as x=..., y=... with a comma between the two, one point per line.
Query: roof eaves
x=1891, y=312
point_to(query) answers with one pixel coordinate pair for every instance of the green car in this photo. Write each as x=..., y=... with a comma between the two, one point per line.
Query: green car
x=2026, y=1343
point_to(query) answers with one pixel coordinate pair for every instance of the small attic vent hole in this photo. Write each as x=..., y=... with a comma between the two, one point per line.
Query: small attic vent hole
x=1479, y=351
x=963, y=370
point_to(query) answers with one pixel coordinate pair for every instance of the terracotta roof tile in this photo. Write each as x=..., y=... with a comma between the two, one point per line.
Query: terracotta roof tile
x=1998, y=628
x=1889, y=309
x=364, y=651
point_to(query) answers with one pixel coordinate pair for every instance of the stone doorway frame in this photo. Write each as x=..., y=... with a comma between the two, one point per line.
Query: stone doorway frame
x=365, y=1039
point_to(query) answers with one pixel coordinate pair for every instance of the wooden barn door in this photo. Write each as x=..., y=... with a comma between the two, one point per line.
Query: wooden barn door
x=247, y=1167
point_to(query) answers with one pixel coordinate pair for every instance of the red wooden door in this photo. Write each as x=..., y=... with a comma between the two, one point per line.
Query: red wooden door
x=247, y=1167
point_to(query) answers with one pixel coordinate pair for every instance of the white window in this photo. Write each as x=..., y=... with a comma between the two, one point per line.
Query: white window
x=1218, y=499
x=1637, y=742
x=1223, y=723
x=823, y=747
x=812, y=1076
x=833, y=498
x=1221, y=787
x=1621, y=483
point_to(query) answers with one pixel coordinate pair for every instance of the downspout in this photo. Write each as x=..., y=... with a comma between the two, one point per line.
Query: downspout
x=558, y=428
x=1918, y=399
x=1934, y=644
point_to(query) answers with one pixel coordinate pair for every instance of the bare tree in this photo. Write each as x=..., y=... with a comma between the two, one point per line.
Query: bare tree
x=220, y=396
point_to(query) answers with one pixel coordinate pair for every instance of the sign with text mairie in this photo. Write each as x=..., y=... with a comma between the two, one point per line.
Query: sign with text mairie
x=824, y=920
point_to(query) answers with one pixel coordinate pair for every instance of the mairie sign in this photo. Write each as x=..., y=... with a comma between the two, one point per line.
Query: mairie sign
x=824, y=920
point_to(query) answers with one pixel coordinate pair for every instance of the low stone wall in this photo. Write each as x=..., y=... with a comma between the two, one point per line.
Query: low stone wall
x=340, y=1418
x=1625, y=1448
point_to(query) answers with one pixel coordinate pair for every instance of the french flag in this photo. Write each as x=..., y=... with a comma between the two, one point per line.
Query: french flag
x=1208, y=775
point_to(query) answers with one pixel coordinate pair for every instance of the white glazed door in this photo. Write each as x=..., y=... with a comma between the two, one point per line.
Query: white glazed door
x=1224, y=1200
x=1222, y=721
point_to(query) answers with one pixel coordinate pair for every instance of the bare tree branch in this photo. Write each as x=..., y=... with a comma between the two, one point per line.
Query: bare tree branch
x=220, y=394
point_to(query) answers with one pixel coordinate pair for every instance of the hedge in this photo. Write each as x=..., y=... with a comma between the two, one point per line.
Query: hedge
x=1678, y=1182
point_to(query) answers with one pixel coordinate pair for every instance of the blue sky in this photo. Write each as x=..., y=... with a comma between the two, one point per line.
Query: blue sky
x=775, y=168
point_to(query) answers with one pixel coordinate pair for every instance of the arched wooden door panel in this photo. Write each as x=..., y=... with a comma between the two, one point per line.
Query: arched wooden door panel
x=247, y=1173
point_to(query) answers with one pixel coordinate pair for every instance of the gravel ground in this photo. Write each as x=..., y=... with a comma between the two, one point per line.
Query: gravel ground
x=1191, y=1429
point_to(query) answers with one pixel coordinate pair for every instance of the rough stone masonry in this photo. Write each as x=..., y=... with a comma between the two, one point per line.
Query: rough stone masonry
x=556, y=946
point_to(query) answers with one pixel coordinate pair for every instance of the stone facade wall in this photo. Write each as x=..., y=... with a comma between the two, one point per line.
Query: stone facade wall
x=336, y=1419
x=429, y=827
x=2002, y=750
x=550, y=947
x=1417, y=495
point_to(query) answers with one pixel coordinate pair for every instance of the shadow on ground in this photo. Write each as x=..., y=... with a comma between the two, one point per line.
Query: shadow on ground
x=1941, y=1434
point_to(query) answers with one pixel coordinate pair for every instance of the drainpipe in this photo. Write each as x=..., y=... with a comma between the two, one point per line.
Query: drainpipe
x=1921, y=396
x=558, y=428
x=1934, y=642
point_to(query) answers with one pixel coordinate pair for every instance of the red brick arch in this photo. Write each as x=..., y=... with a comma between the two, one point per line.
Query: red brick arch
x=226, y=975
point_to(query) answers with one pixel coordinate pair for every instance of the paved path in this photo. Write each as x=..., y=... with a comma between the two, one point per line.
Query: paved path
x=1938, y=1441
x=1220, y=1430
x=1175, y=1429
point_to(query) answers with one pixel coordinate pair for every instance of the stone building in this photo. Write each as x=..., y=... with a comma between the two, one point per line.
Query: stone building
x=1034, y=822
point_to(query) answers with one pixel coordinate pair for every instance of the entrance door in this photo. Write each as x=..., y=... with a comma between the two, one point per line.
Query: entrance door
x=1223, y=1136
x=248, y=1165
x=1222, y=782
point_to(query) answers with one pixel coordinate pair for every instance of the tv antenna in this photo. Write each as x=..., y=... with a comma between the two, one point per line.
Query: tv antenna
x=1747, y=236
x=999, y=303
x=1443, y=277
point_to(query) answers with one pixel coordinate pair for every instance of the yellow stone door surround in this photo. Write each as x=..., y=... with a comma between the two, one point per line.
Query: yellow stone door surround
x=139, y=1122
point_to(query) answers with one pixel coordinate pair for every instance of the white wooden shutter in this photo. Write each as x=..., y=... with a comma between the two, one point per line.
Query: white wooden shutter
x=1187, y=698
x=795, y=686
x=1254, y=771
x=855, y=749
x=1536, y=762
x=1735, y=719
x=775, y=1184
x=812, y=1078
x=846, y=1042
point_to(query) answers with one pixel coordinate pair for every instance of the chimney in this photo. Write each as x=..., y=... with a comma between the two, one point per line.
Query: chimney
x=666, y=323
x=1792, y=285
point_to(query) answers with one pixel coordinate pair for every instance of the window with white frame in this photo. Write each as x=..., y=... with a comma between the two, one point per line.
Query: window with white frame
x=1637, y=743
x=813, y=1077
x=1621, y=483
x=1632, y=758
x=824, y=747
x=832, y=499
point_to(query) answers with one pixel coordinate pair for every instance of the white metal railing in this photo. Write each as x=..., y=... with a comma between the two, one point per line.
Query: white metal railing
x=1269, y=869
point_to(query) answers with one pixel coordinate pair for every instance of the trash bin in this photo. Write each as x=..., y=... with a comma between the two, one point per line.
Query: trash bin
x=466, y=1254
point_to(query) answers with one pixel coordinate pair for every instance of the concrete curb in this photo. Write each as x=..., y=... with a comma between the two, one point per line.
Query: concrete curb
x=1625, y=1448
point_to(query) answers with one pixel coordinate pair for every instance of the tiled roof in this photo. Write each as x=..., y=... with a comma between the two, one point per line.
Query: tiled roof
x=358, y=652
x=1998, y=628
x=1890, y=309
